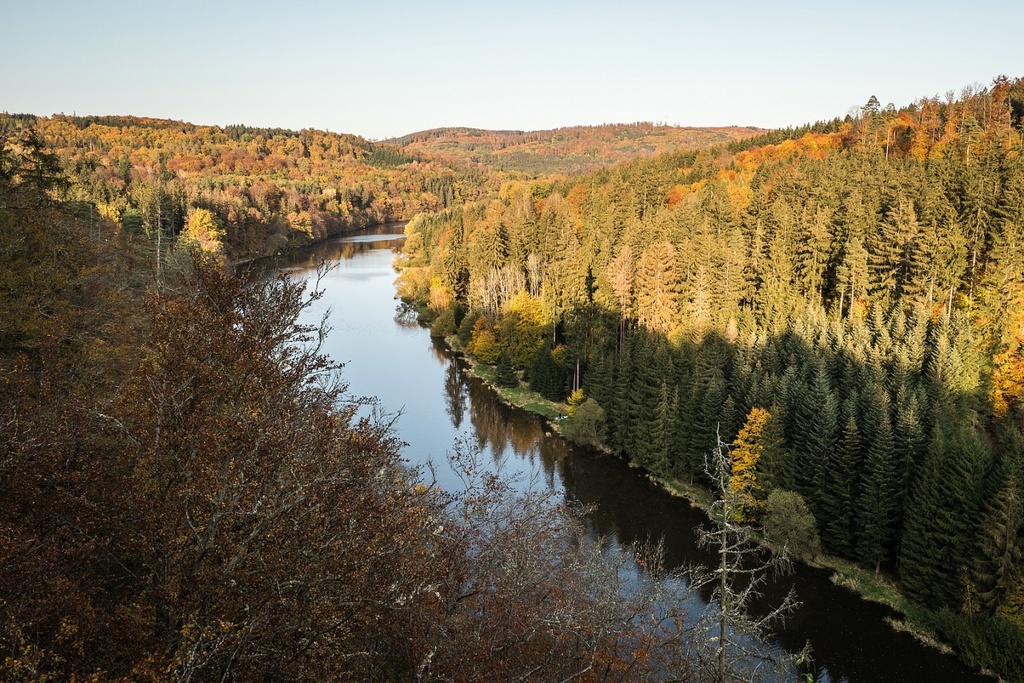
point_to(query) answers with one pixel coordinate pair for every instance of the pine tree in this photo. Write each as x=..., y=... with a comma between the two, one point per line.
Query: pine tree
x=506, y=374
x=775, y=458
x=876, y=505
x=1002, y=549
x=599, y=380
x=619, y=415
x=840, y=487
x=644, y=399
x=888, y=247
x=663, y=430
x=546, y=375
x=910, y=447
x=815, y=435
x=941, y=522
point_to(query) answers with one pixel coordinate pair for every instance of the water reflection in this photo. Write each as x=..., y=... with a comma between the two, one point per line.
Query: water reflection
x=389, y=356
x=455, y=395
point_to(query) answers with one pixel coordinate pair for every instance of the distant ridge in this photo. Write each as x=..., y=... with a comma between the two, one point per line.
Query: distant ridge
x=573, y=149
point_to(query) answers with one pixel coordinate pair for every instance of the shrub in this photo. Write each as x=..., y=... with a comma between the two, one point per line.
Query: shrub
x=984, y=642
x=587, y=425
x=790, y=524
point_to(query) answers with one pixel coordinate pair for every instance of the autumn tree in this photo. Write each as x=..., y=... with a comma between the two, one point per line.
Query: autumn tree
x=736, y=581
x=657, y=287
x=744, y=455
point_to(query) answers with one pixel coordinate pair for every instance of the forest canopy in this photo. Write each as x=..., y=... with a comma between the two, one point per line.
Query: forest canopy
x=191, y=494
x=859, y=281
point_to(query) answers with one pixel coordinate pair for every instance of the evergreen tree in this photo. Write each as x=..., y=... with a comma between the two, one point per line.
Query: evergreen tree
x=663, y=430
x=814, y=437
x=619, y=412
x=506, y=374
x=774, y=464
x=1002, y=549
x=840, y=488
x=941, y=520
x=644, y=399
x=876, y=505
x=546, y=376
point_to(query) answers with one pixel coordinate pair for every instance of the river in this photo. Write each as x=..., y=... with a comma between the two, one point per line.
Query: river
x=389, y=356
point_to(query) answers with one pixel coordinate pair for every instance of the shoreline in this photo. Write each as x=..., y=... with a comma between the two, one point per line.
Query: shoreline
x=844, y=573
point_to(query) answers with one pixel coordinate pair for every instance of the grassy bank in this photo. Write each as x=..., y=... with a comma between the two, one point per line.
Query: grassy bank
x=520, y=396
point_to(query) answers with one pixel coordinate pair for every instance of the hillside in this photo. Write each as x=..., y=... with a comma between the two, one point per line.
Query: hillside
x=574, y=149
x=264, y=188
x=191, y=494
x=844, y=307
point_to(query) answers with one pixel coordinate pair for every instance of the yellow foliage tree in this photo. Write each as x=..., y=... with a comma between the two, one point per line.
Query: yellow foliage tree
x=575, y=400
x=484, y=343
x=743, y=457
x=205, y=230
x=521, y=328
x=441, y=295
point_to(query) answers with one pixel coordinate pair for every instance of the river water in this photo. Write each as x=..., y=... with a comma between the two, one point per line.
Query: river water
x=388, y=356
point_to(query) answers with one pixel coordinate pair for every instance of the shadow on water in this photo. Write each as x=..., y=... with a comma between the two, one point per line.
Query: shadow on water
x=391, y=357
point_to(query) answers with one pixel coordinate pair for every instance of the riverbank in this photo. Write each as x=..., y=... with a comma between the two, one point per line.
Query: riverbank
x=520, y=396
x=908, y=618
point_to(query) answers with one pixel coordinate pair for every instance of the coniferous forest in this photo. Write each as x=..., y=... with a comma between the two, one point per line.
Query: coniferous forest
x=191, y=494
x=860, y=282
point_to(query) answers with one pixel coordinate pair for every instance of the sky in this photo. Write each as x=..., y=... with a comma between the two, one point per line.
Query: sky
x=382, y=69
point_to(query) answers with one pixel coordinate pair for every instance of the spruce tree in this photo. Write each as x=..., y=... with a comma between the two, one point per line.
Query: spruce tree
x=663, y=430
x=774, y=464
x=941, y=525
x=815, y=436
x=838, y=494
x=1002, y=549
x=619, y=412
x=876, y=505
x=647, y=379
x=506, y=374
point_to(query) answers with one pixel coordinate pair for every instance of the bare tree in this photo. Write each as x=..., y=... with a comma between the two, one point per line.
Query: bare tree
x=734, y=634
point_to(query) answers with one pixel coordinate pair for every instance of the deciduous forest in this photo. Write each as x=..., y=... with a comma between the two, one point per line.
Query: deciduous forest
x=266, y=189
x=191, y=494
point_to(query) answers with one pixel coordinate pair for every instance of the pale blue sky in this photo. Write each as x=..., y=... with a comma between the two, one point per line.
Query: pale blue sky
x=382, y=69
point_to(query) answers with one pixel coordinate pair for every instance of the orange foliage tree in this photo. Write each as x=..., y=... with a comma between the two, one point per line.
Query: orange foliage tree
x=744, y=455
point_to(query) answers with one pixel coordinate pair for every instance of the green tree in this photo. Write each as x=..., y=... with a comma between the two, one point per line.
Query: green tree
x=815, y=435
x=506, y=373
x=840, y=487
x=877, y=504
x=1000, y=565
x=587, y=424
x=789, y=525
x=941, y=521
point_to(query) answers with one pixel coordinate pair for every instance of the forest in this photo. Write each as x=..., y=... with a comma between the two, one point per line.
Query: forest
x=191, y=493
x=573, y=149
x=260, y=190
x=844, y=303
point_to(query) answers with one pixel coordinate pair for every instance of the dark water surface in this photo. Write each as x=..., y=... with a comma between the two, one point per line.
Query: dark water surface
x=389, y=356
